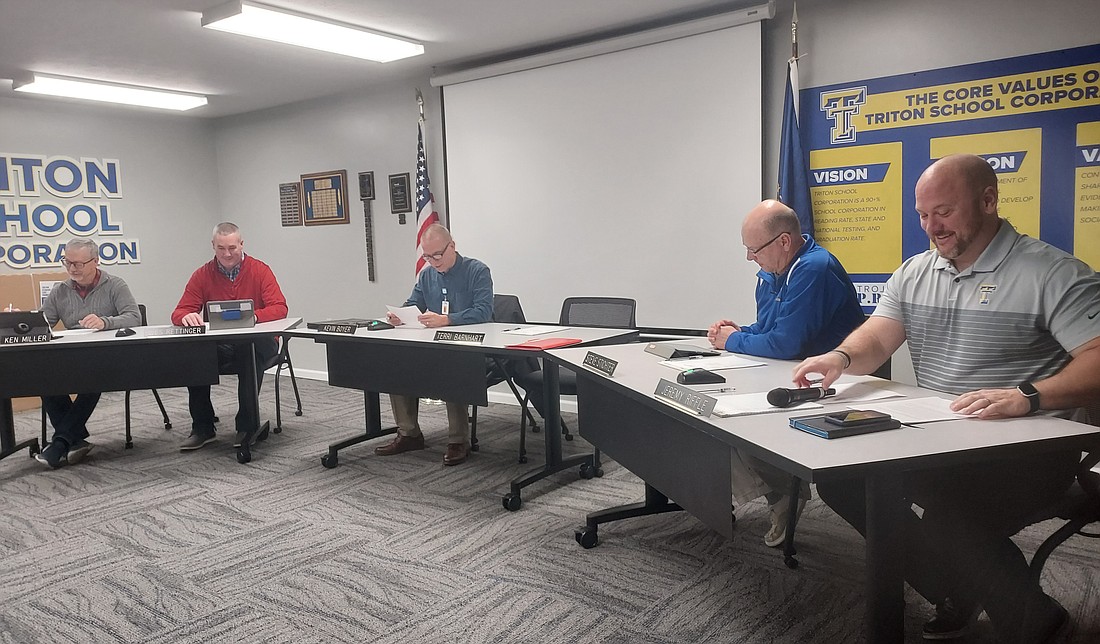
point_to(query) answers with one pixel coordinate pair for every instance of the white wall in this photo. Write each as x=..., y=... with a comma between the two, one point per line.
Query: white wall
x=169, y=183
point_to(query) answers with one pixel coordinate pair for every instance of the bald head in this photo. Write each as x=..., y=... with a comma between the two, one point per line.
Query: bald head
x=972, y=171
x=437, y=233
x=772, y=235
x=772, y=217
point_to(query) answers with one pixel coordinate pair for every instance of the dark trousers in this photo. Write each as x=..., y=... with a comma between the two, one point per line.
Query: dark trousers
x=232, y=359
x=961, y=547
x=70, y=417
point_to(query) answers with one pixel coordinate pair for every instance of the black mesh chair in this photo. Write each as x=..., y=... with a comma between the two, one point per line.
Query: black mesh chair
x=156, y=396
x=506, y=309
x=281, y=360
x=607, y=312
x=1079, y=507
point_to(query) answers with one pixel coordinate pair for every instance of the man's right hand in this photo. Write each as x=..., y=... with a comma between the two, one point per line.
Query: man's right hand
x=192, y=319
x=716, y=328
x=393, y=319
x=829, y=365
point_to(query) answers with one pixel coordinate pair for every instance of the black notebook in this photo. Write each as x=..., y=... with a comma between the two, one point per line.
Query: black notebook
x=818, y=426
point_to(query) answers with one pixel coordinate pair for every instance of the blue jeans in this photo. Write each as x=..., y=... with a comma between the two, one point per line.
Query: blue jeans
x=70, y=417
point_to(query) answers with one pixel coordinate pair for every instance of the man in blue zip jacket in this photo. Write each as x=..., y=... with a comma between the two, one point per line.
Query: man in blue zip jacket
x=805, y=305
x=451, y=290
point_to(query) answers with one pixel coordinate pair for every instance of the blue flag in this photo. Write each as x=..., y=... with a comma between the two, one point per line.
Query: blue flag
x=794, y=187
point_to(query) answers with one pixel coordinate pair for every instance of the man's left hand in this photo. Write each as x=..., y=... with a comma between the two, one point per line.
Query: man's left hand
x=992, y=403
x=721, y=335
x=433, y=320
x=93, y=321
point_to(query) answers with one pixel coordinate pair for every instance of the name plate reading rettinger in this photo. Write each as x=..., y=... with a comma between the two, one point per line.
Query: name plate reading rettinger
x=599, y=363
x=175, y=330
x=348, y=329
x=685, y=398
x=459, y=337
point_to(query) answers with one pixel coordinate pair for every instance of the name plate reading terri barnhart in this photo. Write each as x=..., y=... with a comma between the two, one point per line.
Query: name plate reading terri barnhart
x=177, y=330
x=599, y=363
x=347, y=329
x=459, y=337
x=685, y=398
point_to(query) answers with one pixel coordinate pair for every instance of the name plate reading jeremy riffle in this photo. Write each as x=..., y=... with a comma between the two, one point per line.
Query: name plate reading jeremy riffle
x=459, y=337
x=176, y=330
x=685, y=398
x=348, y=329
x=599, y=363
x=28, y=338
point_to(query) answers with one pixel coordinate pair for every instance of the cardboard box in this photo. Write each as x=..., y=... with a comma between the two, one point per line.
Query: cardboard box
x=23, y=291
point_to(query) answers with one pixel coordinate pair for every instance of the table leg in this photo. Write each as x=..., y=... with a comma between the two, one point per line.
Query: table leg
x=884, y=618
x=8, y=446
x=655, y=503
x=372, y=408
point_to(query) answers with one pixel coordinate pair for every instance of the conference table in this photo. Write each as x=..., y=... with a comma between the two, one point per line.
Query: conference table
x=154, y=357
x=415, y=362
x=685, y=457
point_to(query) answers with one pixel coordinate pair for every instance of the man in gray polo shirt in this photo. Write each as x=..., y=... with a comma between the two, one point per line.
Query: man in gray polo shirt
x=1009, y=325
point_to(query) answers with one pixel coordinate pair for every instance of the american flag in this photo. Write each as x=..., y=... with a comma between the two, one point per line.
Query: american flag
x=425, y=203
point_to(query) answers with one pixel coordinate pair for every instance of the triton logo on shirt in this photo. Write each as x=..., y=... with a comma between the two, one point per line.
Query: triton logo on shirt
x=986, y=289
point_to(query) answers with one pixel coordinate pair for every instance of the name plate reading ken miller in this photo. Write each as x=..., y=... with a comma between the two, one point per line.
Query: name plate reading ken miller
x=459, y=337
x=177, y=330
x=30, y=338
x=347, y=329
x=685, y=398
x=599, y=363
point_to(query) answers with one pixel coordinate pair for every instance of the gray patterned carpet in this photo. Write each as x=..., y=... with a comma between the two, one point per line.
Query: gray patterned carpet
x=151, y=545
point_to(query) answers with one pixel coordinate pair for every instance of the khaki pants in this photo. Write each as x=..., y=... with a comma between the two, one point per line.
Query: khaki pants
x=753, y=478
x=406, y=409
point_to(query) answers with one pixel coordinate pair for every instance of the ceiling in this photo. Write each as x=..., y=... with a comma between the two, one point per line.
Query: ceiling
x=160, y=43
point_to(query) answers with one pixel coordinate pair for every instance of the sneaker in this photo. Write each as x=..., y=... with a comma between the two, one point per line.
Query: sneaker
x=78, y=451
x=195, y=441
x=951, y=622
x=54, y=455
x=778, y=515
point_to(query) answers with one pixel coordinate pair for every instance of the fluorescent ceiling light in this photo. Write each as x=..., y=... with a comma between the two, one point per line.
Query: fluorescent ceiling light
x=280, y=25
x=108, y=92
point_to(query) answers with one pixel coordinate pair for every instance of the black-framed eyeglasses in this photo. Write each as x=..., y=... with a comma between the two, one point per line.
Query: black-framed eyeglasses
x=756, y=251
x=77, y=265
x=436, y=256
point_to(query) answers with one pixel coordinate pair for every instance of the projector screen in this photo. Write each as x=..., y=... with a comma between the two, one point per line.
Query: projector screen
x=624, y=174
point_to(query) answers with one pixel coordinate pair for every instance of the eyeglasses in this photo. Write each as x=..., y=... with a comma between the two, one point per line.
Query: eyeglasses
x=756, y=251
x=77, y=265
x=436, y=256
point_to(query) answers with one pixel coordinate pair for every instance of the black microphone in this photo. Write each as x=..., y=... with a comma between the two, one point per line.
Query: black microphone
x=783, y=397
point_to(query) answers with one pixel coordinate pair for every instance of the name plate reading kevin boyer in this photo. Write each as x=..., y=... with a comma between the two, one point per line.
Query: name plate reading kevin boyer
x=176, y=330
x=599, y=363
x=459, y=337
x=348, y=329
x=685, y=398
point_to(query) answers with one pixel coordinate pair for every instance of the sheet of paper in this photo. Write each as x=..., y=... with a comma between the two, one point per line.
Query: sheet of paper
x=65, y=332
x=535, y=330
x=711, y=363
x=853, y=392
x=757, y=403
x=407, y=314
x=913, y=411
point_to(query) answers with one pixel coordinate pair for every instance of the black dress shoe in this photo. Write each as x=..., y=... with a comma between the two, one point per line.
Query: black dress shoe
x=400, y=444
x=456, y=453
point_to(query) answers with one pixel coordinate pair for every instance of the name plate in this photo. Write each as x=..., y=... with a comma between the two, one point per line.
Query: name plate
x=599, y=363
x=459, y=337
x=29, y=338
x=348, y=329
x=685, y=398
x=176, y=330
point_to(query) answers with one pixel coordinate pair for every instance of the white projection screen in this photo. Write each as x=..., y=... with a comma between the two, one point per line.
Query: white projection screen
x=623, y=174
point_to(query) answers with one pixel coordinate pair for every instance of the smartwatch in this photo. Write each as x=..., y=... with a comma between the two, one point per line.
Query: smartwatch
x=1031, y=393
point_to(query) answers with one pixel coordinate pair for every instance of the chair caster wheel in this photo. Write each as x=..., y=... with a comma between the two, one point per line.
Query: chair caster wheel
x=298, y=412
x=128, y=446
x=277, y=429
x=167, y=426
x=511, y=502
x=475, y=448
x=244, y=455
x=587, y=537
x=568, y=437
x=587, y=471
x=330, y=461
x=535, y=429
x=522, y=460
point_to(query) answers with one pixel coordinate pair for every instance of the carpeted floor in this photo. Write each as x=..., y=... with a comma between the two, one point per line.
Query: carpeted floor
x=153, y=545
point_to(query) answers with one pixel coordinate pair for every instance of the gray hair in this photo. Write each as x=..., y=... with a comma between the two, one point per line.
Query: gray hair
x=74, y=244
x=227, y=228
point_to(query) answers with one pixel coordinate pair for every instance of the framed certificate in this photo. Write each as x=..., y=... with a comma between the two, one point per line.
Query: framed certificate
x=325, y=198
x=400, y=199
x=290, y=203
x=366, y=185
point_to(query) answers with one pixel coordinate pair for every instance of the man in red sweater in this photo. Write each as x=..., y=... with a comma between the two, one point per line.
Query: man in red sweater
x=231, y=275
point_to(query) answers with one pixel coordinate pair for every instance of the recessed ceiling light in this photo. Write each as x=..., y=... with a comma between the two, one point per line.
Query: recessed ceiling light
x=281, y=25
x=51, y=85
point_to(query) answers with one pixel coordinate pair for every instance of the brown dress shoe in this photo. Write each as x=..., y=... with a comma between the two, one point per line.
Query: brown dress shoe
x=456, y=453
x=400, y=444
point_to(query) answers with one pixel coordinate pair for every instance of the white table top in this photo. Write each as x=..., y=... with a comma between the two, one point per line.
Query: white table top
x=769, y=436
x=149, y=333
x=496, y=336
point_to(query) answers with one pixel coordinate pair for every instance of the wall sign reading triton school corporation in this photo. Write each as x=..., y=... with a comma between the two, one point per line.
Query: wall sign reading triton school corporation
x=1036, y=119
x=47, y=200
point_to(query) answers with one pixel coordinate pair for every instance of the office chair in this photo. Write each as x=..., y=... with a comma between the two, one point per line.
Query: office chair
x=607, y=312
x=156, y=395
x=1079, y=507
x=507, y=309
x=282, y=359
